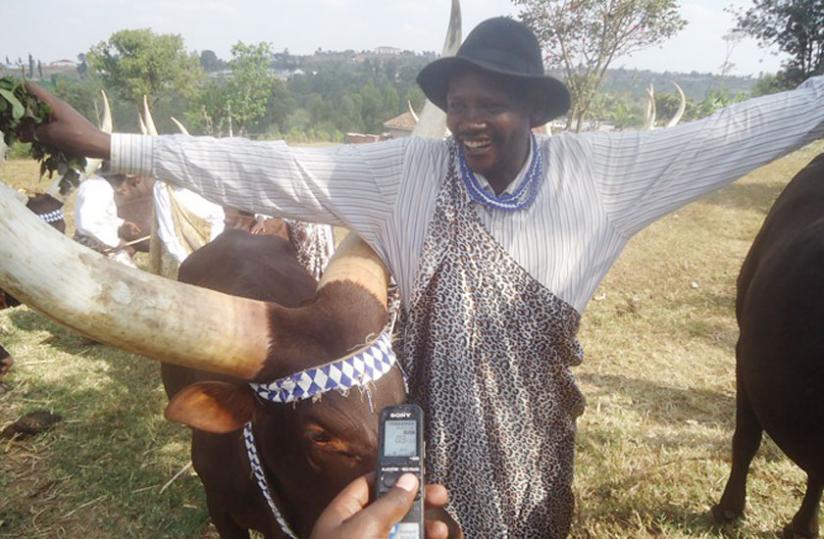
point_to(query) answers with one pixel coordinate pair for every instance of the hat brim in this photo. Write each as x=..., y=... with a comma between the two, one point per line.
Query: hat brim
x=554, y=95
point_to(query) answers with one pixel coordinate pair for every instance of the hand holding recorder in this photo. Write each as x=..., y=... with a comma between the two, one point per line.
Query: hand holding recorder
x=349, y=517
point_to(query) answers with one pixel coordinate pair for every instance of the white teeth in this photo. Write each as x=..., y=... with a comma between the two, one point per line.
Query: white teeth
x=476, y=143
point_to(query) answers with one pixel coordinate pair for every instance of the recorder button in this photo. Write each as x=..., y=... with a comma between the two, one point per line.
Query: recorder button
x=389, y=480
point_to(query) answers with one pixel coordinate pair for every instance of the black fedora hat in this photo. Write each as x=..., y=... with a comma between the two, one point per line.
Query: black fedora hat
x=505, y=47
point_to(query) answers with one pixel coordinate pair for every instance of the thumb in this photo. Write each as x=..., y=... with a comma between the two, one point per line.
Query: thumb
x=390, y=508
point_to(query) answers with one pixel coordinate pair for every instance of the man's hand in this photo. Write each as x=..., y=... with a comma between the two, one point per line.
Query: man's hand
x=348, y=516
x=128, y=231
x=260, y=225
x=67, y=129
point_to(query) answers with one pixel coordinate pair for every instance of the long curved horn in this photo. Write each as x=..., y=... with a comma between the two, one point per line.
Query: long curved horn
x=150, y=315
x=106, y=126
x=179, y=125
x=649, y=117
x=126, y=307
x=356, y=262
x=147, y=117
x=412, y=111
x=681, y=108
x=143, y=130
x=432, y=122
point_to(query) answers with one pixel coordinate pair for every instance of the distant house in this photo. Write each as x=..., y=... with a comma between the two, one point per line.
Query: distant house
x=63, y=64
x=401, y=126
x=388, y=51
x=362, y=138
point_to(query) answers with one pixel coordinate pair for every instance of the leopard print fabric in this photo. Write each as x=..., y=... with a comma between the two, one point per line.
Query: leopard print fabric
x=488, y=351
x=314, y=243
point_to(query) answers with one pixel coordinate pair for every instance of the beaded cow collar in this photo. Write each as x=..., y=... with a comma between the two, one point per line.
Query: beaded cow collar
x=356, y=370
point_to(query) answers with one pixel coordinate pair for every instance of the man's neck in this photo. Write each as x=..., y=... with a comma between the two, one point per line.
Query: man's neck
x=500, y=181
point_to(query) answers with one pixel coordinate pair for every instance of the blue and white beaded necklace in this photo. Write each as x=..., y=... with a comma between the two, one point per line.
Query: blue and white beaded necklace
x=524, y=195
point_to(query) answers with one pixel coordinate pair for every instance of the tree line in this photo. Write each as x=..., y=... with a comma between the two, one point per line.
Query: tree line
x=256, y=93
x=261, y=93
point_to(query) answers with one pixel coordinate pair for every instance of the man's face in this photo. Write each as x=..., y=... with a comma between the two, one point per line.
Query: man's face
x=490, y=124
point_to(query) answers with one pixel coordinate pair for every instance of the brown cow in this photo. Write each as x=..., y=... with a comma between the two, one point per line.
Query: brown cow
x=309, y=450
x=780, y=350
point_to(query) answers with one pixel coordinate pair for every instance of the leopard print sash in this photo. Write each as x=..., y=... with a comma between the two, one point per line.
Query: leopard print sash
x=488, y=350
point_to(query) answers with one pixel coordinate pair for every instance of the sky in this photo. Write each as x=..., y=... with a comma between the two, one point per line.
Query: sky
x=55, y=29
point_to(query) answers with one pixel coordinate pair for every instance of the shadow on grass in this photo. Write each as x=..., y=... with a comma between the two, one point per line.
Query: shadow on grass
x=758, y=197
x=112, y=454
x=61, y=338
x=665, y=405
x=123, y=368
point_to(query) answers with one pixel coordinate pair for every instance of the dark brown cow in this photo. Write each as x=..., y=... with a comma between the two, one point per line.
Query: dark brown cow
x=780, y=351
x=310, y=451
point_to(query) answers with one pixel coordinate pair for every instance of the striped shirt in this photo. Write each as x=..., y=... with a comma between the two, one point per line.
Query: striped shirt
x=598, y=189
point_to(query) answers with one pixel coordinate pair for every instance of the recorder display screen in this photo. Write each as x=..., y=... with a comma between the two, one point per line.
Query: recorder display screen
x=400, y=438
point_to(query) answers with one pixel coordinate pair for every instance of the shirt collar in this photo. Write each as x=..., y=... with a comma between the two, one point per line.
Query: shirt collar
x=514, y=184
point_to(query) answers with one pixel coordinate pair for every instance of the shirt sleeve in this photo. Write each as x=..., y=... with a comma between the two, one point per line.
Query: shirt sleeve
x=643, y=175
x=353, y=185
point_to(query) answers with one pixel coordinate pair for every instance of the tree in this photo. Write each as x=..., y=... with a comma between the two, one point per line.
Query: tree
x=82, y=66
x=135, y=63
x=796, y=27
x=583, y=37
x=209, y=61
x=250, y=86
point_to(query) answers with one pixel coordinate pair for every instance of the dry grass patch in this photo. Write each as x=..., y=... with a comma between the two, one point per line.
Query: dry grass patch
x=653, y=446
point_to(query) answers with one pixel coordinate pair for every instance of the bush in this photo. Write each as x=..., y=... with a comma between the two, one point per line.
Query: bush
x=19, y=150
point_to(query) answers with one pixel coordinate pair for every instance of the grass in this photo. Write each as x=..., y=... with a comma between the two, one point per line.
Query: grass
x=653, y=446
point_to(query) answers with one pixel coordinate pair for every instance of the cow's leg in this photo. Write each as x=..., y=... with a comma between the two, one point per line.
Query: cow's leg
x=805, y=521
x=745, y=443
x=226, y=526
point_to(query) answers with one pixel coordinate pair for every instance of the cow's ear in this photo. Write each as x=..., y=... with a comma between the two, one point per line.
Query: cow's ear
x=216, y=407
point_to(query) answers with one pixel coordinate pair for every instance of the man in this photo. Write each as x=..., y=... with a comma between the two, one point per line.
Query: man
x=497, y=240
x=97, y=225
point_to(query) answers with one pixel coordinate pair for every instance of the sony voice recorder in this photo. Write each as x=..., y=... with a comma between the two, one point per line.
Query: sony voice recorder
x=400, y=451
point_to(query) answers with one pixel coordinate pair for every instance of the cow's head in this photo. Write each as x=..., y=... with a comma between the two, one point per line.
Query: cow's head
x=311, y=449
x=316, y=419
x=206, y=330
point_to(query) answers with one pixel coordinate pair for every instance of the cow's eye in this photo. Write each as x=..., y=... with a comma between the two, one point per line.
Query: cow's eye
x=320, y=437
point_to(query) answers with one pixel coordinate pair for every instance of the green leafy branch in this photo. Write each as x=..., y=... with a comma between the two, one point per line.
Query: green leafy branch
x=20, y=111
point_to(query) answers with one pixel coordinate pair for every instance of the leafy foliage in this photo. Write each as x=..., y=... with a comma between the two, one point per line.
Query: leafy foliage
x=19, y=111
x=796, y=27
x=583, y=37
x=135, y=63
x=249, y=89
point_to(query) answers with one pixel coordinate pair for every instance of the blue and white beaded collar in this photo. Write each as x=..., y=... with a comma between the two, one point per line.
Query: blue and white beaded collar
x=52, y=216
x=520, y=199
x=356, y=370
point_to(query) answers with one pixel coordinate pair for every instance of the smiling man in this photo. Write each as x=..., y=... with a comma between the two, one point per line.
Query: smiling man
x=497, y=239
